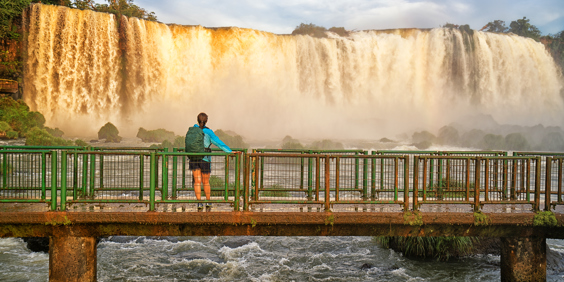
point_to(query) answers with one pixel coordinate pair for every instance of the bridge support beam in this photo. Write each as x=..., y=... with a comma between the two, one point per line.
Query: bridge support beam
x=523, y=259
x=72, y=258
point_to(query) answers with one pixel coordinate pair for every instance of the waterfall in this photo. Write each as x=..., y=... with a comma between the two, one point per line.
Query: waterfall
x=85, y=68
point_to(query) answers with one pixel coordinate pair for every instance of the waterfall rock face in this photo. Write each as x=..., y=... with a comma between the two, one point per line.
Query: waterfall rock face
x=90, y=67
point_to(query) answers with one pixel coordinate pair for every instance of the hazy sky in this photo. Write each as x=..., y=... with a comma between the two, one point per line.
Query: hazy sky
x=283, y=16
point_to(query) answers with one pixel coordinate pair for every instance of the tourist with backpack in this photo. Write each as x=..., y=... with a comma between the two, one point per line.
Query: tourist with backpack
x=199, y=138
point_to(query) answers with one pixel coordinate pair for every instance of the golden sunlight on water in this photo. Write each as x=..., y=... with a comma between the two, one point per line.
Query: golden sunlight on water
x=264, y=85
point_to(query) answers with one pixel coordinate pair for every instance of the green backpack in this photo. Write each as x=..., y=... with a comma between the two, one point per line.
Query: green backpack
x=195, y=142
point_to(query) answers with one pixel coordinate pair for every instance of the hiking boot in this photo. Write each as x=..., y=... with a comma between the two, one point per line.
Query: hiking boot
x=200, y=206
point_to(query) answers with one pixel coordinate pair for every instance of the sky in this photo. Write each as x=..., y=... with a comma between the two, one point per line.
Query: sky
x=282, y=16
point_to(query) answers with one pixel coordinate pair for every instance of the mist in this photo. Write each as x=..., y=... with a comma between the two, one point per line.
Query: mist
x=263, y=86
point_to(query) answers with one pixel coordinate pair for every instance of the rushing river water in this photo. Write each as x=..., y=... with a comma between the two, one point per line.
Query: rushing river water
x=261, y=259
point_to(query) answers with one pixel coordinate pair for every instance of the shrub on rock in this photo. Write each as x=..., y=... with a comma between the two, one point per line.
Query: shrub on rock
x=110, y=133
x=40, y=137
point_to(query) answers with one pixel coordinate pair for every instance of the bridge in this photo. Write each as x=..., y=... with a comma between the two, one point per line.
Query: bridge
x=73, y=195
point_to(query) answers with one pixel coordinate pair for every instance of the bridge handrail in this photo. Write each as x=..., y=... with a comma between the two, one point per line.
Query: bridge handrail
x=325, y=179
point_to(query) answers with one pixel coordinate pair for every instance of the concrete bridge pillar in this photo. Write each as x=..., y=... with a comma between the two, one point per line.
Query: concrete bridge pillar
x=72, y=258
x=523, y=259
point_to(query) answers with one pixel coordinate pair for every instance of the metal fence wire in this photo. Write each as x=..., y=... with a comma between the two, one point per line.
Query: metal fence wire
x=178, y=180
x=27, y=175
x=342, y=179
x=555, y=180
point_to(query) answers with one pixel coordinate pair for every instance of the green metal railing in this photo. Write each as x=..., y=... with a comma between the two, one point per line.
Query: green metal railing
x=554, y=181
x=67, y=177
x=29, y=176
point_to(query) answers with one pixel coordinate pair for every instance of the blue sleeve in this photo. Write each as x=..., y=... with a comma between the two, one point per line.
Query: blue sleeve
x=216, y=141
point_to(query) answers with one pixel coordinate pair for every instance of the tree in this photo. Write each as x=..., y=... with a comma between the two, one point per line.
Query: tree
x=523, y=28
x=496, y=26
x=311, y=30
x=124, y=7
x=9, y=9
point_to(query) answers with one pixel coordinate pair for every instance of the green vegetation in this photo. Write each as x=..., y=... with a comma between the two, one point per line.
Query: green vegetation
x=289, y=143
x=55, y=132
x=545, y=218
x=231, y=139
x=441, y=248
x=318, y=31
x=110, y=133
x=448, y=135
x=481, y=219
x=155, y=136
x=516, y=142
x=492, y=142
x=40, y=137
x=281, y=193
x=18, y=116
x=413, y=218
x=553, y=142
x=448, y=189
x=327, y=144
x=217, y=186
x=117, y=7
x=9, y=169
x=6, y=130
x=81, y=143
x=9, y=10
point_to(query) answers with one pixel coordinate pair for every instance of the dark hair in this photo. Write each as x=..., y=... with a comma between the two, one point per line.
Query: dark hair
x=202, y=120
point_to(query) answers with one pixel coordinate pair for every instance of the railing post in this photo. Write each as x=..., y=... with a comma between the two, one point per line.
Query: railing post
x=237, y=180
x=153, y=181
x=327, y=184
x=53, y=180
x=246, y=178
x=92, y=174
x=365, y=178
x=468, y=164
x=164, y=175
x=560, y=180
x=226, y=183
x=75, y=175
x=43, y=175
x=256, y=177
x=373, y=178
x=477, y=185
x=547, y=184
x=317, y=176
x=357, y=175
x=396, y=170
x=4, y=170
x=416, y=183
x=101, y=171
x=141, y=175
x=309, y=177
x=537, y=183
x=337, y=176
x=63, y=180
x=174, y=173
x=406, y=183
x=84, y=174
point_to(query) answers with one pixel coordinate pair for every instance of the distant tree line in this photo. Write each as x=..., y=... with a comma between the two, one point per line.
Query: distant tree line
x=318, y=31
x=12, y=9
x=117, y=7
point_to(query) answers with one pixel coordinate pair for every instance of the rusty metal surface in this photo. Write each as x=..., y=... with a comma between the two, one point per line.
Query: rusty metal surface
x=72, y=258
x=34, y=224
x=523, y=259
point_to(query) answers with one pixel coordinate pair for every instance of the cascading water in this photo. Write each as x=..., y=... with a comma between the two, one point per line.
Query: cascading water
x=85, y=68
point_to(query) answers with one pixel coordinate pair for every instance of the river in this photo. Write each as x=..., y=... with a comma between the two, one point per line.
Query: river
x=261, y=259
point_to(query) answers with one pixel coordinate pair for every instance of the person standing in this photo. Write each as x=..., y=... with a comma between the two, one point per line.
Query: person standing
x=201, y=168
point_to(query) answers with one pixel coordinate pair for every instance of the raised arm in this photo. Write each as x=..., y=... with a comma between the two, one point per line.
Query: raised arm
x=216, y=141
